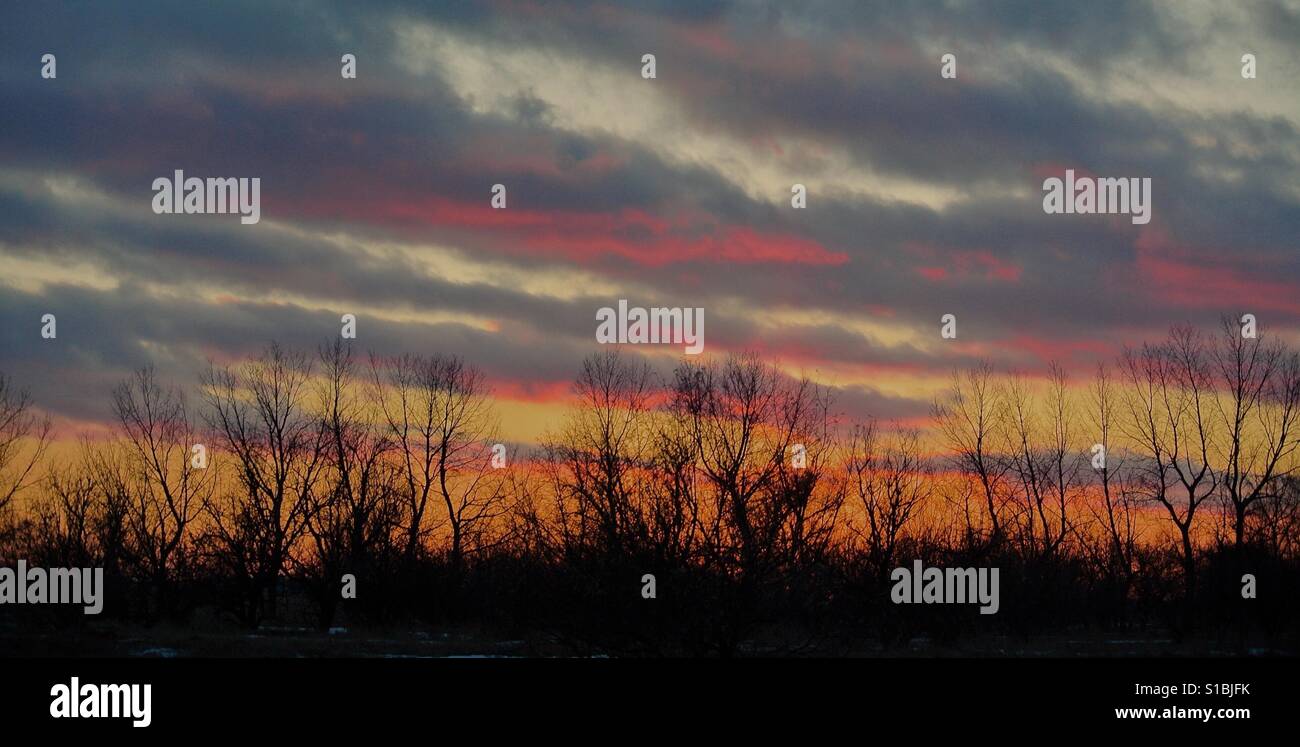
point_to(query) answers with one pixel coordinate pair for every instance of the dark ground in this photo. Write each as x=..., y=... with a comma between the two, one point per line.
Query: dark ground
x=164, y=641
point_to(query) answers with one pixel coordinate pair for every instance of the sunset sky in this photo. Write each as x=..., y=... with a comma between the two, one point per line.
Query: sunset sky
x=924, y=194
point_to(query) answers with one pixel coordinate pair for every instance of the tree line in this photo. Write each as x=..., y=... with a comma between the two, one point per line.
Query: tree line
x=1139, y=499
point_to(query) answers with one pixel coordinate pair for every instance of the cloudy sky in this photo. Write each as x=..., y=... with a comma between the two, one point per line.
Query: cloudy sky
x=924, y=194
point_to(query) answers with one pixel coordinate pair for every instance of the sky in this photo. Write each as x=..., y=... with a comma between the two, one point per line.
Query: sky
x=924, y=193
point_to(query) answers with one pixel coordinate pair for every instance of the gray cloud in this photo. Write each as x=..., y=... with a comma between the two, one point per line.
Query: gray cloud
x=253, y=89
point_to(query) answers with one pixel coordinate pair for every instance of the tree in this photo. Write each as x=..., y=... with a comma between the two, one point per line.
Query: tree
x=18, y=425
x=358, y=508
x=1118, y=514
x=439, y=416
x=597, y=463
x=891, y=481
x=259, y=412
x=1168, y=401
x=68, y=519
x=79, y=519
x=1043, y=458
x=163, y=491
x=1257, y=412
x=744, y=417
x=1277, y=521
x=969, y=419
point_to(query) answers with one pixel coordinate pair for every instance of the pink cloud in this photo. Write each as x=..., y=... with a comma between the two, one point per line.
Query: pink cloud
x=1190, y=278
x=963, y=264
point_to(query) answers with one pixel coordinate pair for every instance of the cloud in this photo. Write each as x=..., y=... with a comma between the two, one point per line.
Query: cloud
x=924, y=194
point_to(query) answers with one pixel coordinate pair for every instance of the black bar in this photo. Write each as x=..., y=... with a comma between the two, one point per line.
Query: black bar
x=758, y=696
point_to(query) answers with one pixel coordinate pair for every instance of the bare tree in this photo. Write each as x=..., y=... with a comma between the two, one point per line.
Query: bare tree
x=1118, y=514
x=1257, y=413
x=163, y=490
x=970, y=421
x=1168, y=400
x=358, y=508
x=1026, y=461
x=676, y=524
x=1044, y=459
x=258, y=410
x=808, y=481
x=67, y=519
x=1277, y=521
x=440, y=417
x=598, y=462
x=745, y=417
x=731, y=480
x=80, y=518
x=20, y=430
x=891, y=480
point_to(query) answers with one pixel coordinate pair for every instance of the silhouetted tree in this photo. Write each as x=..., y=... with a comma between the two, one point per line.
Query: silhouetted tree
x=1168, y=403
x=1117, y=514
x=358, y=509
x=21, y=430
x=1257, y=410
x=891, y=481
x=970, y=421
x=440, y=418
x=598, y=462
x=259, y=411
x=162, y=490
